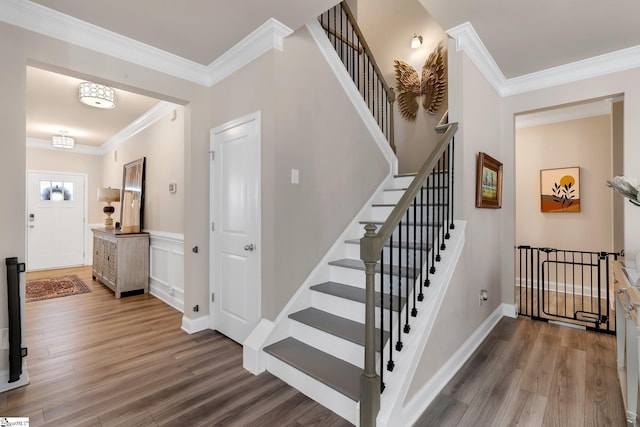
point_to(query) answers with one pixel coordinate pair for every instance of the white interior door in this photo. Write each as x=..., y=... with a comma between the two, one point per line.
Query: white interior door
x=235, y=236
x=55, y=220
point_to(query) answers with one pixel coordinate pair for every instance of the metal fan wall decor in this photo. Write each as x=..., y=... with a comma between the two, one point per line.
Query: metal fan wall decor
x=433, y=85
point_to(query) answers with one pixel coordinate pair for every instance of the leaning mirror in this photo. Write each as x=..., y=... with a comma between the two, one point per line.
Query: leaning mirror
x=132, y=200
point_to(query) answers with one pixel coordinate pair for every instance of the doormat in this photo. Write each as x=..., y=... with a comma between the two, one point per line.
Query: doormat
x=41, y=289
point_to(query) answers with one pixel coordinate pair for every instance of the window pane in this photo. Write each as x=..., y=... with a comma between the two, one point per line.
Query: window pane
x=45, y=190
x=56, y=191
x=68, y=191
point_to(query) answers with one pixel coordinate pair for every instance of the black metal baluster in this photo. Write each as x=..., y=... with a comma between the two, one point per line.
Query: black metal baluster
x=390, y=364
x=451, y=188
x=414, y=310
x=423, y=255
x=448, y=202
x=408, y=277
x=381, y=321
x=430, y=231
x=399, y=267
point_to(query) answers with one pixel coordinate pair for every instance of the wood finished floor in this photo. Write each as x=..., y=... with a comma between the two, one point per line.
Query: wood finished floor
x=531, y=373
x=97, y=361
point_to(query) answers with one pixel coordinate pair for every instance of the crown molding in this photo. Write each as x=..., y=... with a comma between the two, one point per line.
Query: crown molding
x=45, y=144
x=573, y=112
x=154, y=114
x=269, y=35
x=40, y=19
x=468, y=41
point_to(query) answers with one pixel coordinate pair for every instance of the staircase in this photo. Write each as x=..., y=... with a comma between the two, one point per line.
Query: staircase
x=323, y=356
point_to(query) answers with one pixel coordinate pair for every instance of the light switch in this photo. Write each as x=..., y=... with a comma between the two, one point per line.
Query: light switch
x=295, y=176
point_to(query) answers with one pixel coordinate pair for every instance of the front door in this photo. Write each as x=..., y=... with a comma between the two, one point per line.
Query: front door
x=55, y=220
x=235, y=231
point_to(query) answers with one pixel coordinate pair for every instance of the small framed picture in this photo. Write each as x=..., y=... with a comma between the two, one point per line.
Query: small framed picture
x=560, y=190
x=488, y=182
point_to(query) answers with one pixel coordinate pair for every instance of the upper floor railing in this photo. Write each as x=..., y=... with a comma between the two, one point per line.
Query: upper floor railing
x=347, y=39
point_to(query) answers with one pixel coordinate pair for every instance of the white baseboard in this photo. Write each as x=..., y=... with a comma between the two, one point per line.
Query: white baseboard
x=423, y=398
x=252, y=354
x=191, y=326
x=5, y=385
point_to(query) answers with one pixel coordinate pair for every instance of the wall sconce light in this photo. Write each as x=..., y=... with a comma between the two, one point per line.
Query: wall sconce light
x=108, y=195
x=416, y=41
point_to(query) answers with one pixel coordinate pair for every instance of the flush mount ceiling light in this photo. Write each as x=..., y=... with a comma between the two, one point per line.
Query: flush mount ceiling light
x=97, y=95
x=416, y=41
x=63, y=141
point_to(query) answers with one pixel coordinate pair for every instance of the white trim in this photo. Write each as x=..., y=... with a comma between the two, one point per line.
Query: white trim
x=5, y=385
x=398, y=382
x=468, y=41
x=40, y=19
x=166, y=268
x=154, y=114
x=261, y=337
x=423, y=398
x=253, y=358
x=269, y=35
x=574, y=112
x=352, y=92
x=191, y=326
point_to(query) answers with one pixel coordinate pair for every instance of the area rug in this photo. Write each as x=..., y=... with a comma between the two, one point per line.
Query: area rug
x=56, y=287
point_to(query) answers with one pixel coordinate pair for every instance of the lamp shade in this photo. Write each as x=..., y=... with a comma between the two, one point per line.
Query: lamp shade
x=108, y=195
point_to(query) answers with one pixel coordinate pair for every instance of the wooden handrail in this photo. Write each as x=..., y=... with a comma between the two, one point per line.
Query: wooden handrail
x=372, y=246
x=390, y=93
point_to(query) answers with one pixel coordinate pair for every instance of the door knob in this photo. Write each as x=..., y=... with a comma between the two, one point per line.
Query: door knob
x=249, y=247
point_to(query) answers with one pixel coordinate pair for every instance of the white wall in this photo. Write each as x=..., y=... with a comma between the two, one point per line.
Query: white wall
x=585, y=143
x=388, y=26
x=307, y=124
x=476, y=106
x=162, y=144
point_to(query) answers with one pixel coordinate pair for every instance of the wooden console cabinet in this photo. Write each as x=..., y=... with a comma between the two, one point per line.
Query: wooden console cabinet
x=627, y=296
x=121, y=260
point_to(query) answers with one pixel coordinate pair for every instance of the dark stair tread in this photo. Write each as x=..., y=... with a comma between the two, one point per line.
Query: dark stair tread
x=358, y=264
x=331, y=371
x=410, y=245
x=335, y=325
x=356, y=294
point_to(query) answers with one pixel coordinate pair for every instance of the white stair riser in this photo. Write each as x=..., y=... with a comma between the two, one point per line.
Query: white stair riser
x=331, y=344
x=405, y=181
x=348, y=309
x=353, y=252
x=326, y=396
x=381, y=213
x=430, y=196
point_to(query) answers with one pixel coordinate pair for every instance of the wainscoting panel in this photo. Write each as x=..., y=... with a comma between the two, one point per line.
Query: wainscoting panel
x=166, y=269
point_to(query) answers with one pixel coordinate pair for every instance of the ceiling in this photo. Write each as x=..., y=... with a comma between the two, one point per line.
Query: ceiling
x=52, y=105
x=522, y=38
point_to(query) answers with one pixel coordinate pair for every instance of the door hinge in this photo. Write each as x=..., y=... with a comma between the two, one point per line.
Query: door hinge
x=213, y=155
x=212, y=227
x=212, y=298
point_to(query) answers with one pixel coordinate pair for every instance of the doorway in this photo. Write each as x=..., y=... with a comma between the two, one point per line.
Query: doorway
x=56, y=220
x=235, y=272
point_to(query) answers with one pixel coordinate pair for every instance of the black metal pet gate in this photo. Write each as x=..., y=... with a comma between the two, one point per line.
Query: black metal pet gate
x=565, y=286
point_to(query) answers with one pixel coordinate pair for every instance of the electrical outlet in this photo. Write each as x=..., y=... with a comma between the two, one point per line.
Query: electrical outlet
x=172, y=292
x=484, y=295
